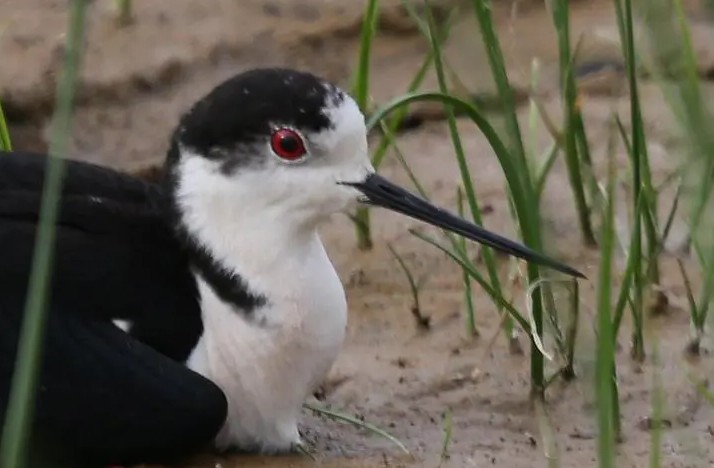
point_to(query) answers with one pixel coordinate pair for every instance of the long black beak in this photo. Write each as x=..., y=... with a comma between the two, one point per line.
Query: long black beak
x=381, y=192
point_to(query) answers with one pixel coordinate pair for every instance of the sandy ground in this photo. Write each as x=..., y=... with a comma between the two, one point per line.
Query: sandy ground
x=137, y=80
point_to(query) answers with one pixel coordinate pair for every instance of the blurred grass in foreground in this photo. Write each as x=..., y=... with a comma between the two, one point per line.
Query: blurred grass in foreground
x=5, y=142
x=16, y=429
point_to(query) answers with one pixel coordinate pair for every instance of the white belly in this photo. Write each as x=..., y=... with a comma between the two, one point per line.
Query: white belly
x=269, y=364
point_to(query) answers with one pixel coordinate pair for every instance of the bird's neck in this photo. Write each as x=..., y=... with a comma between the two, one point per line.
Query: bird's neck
x=262, y=249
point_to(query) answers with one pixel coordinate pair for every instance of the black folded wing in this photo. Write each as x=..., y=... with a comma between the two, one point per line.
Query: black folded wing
x=105, y=396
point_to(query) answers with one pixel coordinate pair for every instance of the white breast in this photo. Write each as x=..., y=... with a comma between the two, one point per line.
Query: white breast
x=268, y=364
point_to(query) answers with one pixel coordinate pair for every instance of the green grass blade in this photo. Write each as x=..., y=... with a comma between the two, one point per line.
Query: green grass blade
x=361, y=218
x=124, y=11
x=519, y=193
x=641, y=182
x=395, y=119
x=605, y=358
x=498, y=299
x=429, y=30
x=694, y=345
x=448, y=429
x=405, y=165
x=458, y=244
x=482, y=9
x=700, y=129
x=699, y=118
x=5, y=142
x=547, y=166
x=361, y=94
x=690, y=295
x=369, y=28
x=468, y=292
x=624, y=294
x=520, y=185
x=421, y=321
x=21, y=402
x=407, y=272
x=420, y=189
x=571, y=333
x=573, y=129
x=464, y=170
x=707, y=290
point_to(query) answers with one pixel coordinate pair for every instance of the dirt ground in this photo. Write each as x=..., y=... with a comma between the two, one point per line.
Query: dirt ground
x=136, y=81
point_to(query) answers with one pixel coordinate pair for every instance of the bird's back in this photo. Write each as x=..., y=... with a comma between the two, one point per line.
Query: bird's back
x=116, y=256
x=25, y=171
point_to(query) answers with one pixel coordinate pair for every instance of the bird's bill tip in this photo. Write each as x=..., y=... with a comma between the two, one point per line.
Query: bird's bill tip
x=381, y=192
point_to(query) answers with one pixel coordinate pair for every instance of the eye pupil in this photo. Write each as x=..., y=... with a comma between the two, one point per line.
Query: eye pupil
x=287, y=144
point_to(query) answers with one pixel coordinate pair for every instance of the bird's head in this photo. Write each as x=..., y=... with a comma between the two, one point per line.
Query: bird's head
x=289, y=147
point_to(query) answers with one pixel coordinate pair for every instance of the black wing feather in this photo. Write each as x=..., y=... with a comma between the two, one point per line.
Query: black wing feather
x=105, y=398
x=107, y=395
x=25, y=171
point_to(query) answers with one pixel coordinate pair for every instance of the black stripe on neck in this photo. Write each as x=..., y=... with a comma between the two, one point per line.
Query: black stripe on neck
x=229, y=286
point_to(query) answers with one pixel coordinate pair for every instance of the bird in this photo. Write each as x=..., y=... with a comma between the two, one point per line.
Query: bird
x=198, y=311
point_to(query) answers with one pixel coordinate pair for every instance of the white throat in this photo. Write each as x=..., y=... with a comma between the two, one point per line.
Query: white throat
x=267, y=361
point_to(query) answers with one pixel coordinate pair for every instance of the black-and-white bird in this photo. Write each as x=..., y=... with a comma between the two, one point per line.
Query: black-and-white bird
x=202, y=311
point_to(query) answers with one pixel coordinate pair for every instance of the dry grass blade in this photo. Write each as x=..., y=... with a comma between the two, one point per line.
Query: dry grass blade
x=423, y=322
x=338, y=416
x=448, y=428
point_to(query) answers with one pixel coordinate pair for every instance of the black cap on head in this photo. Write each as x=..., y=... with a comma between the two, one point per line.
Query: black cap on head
x=241, y=109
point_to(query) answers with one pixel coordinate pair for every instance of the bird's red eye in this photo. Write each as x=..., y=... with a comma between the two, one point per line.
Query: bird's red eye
x=287, y=144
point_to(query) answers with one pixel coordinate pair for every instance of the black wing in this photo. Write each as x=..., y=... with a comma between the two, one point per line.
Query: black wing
x=115, y=255
x=106, y=395
x=105, y=398
x=25, y=171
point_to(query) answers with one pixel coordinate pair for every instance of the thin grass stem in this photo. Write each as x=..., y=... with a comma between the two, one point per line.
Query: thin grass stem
x=458, y=244
x=605, y=357
x=573, y=128
x=471, y=329
x=482, y=9
x=521, y=192
x=421, y=321
x=520, y=185
x=22, y=394
x=361, y=93
x=448, y=429
x=5, y=142
x=124, y=11
x=466, y=180
x=478, y=277
x=571, y=333
x=339, y=416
